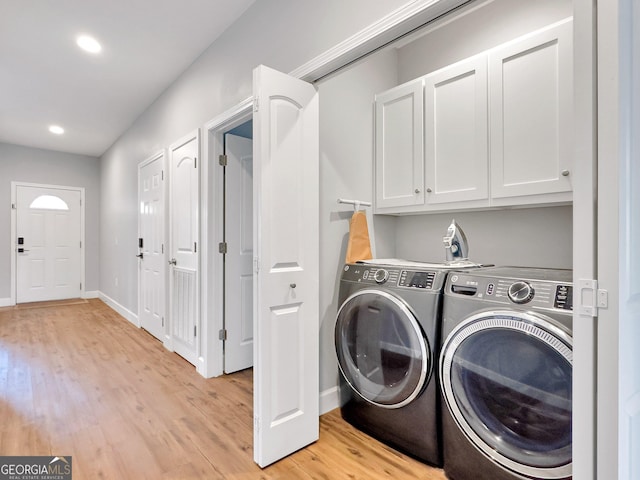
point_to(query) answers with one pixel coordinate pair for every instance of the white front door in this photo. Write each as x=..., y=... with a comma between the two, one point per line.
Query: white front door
x=48, y=243
x=286, y=283
x=238, y=316
x=184, y=222
x=150, y=246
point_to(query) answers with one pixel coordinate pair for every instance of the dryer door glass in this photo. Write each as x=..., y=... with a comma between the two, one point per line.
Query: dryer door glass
x=507, y=382
x=382, y=351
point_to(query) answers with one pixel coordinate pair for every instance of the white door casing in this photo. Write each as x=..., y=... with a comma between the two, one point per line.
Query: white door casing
x=151, y=263
x=286, y=249
x=49, y=259
x=184, y=261
x=238, y=316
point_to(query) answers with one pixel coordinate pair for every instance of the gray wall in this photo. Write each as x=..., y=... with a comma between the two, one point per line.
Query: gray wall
x=32, y=165
x=283, y=34
x=346, y=152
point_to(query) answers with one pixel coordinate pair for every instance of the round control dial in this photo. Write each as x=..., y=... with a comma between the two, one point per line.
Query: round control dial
x=381, y=276
x=520, y=292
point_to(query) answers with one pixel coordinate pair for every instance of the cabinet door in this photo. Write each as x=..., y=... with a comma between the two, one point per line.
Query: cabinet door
x=531, y=114
x=456, y=133
x=399, y=164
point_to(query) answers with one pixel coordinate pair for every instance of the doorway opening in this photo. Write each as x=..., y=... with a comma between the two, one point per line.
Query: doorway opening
x=237, y=248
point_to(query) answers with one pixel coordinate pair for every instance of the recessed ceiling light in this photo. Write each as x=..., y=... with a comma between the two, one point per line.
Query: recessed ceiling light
x=58, y=130
x=88, y=44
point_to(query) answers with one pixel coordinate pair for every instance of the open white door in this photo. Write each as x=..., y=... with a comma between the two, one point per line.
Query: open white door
x=238, y=265
x=286, y=246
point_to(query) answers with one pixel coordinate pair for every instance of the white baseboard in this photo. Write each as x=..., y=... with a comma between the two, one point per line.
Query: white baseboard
x=91, y=294
x=329, y=399
x=128, y=314
x=5, y=302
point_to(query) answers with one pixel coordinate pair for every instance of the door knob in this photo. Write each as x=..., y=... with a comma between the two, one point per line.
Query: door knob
x=140, y=255
x=292, y=285
x=173, y=261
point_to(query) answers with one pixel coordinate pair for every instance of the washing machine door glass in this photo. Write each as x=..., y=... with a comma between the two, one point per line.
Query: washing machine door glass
x=506, y=379
x=382, y=351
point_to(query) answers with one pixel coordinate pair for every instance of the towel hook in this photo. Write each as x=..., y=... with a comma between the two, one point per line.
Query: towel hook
x=356, y=203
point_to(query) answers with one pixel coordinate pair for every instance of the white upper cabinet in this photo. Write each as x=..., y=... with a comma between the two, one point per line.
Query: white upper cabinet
x=399, y=163
x=531, y=91
x=456, y=134
x=494, y=130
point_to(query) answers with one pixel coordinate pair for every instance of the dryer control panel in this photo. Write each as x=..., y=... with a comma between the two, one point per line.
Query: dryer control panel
x=391, y=277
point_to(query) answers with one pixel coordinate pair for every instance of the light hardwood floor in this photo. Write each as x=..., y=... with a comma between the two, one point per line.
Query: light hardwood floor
x=77, y=379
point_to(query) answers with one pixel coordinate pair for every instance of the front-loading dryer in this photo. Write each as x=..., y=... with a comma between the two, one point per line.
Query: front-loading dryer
x=387, y=336
x=506, y=374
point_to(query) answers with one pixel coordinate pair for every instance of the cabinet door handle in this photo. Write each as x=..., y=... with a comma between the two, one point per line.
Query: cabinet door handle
x=417, y=190
x=429, y=190
x=173, y=261
x=565, y=173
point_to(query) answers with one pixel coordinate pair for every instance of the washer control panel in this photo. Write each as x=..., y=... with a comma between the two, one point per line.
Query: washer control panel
x=530, y=292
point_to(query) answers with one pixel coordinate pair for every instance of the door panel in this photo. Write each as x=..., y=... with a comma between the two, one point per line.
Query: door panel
x=184, y=247
x=286, y=404
x=49, y=265
x=238, y=347
x=151, y=230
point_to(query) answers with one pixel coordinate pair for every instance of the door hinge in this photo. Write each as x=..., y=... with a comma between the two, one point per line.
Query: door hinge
x=591, y=298
x=80, y=243
x=195, y=162
x=13, y=206
x=161, y=174
x=222, y=160
x=195, y=330
x=162, y=248
x=256, y=104
x=195, y=247
x=222, y=247
x=163, y=321
x=256, y=264
x=80, y=285
x=222, y=334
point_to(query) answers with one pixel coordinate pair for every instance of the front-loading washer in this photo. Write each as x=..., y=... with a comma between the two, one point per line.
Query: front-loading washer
x=387, y=336
x=505, y=367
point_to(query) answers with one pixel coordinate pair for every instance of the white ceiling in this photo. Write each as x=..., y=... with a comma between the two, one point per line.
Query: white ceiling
x=46, y=79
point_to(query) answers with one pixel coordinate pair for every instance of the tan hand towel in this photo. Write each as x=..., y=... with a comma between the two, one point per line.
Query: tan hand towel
x=359, y=247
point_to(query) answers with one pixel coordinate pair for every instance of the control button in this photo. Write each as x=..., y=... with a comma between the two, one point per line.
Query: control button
x=365, y=275
x=381, y=276
x=490, y=289
x=520, y=292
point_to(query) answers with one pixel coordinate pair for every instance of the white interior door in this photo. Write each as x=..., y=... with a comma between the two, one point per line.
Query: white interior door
x=48, y=243
x=238, y=317
x=184, y=284
x=150, y=247
x=286, y=245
